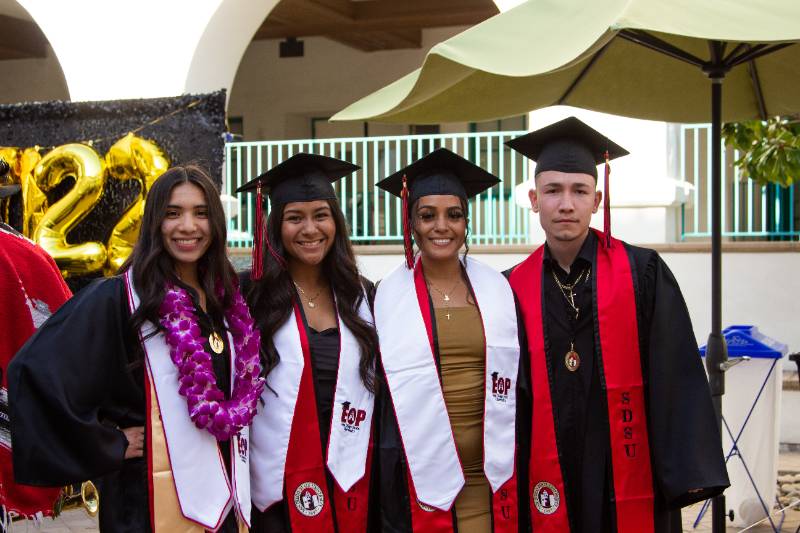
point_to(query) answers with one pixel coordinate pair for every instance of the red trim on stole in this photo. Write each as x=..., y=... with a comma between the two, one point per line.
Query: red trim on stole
x=545, y=467
x=304, y=462
x=352, y=507
x=622, y=366
x=304, y=456
x=504, y=504
x=426, y=519
x=148, y=435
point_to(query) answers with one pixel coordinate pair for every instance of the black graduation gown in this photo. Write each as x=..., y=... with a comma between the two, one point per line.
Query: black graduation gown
x=391, y=465
x=324, y=348
x=685, y=446
x=77, y=380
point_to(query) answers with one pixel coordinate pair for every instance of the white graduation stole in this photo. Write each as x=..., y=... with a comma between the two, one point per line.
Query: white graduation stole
x=205, y=493
x=416, y=390
x=348, y=443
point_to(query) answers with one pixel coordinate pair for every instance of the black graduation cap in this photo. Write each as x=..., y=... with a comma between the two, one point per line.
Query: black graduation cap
x=572, y=146
x=301, y=178
x=569, y=145
x=439, y=172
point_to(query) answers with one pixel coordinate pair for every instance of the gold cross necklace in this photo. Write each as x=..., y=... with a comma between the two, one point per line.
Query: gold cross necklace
x=445, y=295
x=572, y=360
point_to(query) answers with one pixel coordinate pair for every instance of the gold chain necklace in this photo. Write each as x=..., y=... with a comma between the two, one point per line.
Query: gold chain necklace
x=572, y=360
x=445, y=295
x=568, y=288
x=309, y=299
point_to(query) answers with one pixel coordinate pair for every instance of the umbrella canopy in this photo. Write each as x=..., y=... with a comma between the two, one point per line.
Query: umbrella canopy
x=599, y=55
x=650, y=59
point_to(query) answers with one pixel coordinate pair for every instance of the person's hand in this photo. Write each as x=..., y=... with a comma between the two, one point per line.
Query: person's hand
x=135, y=436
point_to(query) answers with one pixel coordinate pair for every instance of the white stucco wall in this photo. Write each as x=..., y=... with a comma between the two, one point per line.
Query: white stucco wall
x=277, y=97
x=32, y=80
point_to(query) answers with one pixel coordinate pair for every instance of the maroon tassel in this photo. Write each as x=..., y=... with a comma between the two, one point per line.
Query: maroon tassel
x=275, y=255
x=257, y=267
x=607, y=204
x=407, y=226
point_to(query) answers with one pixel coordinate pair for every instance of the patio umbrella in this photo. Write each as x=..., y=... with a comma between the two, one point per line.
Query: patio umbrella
x=651, y=59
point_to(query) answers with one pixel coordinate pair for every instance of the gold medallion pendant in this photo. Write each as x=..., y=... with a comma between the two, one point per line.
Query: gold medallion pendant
x=572, y=360
x=215, y=341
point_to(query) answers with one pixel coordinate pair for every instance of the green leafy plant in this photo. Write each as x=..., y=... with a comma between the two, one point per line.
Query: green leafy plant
x=770, y=150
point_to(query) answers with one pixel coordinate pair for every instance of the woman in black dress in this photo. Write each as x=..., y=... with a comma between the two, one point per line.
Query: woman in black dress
x=311, y=441
x=146, y=381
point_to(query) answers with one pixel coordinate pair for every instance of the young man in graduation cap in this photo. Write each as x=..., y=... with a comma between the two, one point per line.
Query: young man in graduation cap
x=312, y=440
x=623, y=430
x=451, y=427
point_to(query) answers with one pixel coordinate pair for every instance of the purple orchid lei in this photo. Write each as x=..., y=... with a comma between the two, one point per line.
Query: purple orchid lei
x=207, y=405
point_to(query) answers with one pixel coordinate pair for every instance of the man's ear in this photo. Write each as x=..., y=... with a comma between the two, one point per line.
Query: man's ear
x=534, y=198
x=598, y=197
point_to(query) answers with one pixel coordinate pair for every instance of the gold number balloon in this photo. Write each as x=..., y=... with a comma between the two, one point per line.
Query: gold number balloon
x=131, y=158
x=10, y=156
x=83, y=163
x=34, y=201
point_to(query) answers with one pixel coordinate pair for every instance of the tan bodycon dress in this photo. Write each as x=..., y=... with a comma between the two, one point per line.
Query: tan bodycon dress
x=462, y=358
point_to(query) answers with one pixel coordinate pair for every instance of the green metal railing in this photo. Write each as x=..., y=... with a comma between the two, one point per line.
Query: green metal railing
x=374, y=216
x=749, y=211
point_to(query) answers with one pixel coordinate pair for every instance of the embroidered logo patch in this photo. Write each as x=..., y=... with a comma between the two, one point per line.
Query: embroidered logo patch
x=426, y=508
x=545, y=497
x=352, y=417
x=308, y=499
x=500, y=387
x=242, y=448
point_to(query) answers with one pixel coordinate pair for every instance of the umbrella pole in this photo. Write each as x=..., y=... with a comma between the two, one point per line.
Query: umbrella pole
x=717, y=351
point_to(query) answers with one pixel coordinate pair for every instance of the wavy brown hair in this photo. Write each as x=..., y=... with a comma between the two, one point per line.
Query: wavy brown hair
x=151, y=264
x=272, y=297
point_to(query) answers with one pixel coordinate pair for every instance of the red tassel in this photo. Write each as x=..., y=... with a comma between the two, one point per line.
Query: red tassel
x=607, y=204
x=257, y=267
x=275, y=255
x=407, y=226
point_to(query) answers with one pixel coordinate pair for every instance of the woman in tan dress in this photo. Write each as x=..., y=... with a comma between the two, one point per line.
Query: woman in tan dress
x=448, y=438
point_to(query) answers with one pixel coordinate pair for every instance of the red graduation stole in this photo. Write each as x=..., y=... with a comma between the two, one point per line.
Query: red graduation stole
x=305, y=480
x=622, y=369
x=31, y=288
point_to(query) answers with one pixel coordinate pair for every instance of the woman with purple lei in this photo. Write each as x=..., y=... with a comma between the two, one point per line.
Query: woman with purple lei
x=147, y=381
x=312, y=441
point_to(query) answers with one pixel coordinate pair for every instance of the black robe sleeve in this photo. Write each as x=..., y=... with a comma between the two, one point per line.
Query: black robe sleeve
x=687, y=458
x=70, y=388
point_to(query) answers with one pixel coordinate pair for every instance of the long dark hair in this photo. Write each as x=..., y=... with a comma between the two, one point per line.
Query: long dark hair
x=272, y=297
x=152, y=266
